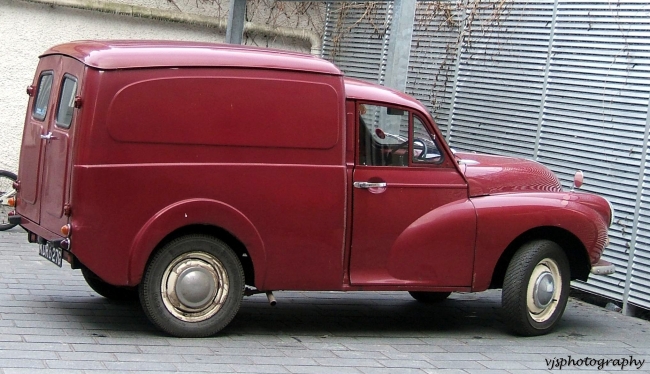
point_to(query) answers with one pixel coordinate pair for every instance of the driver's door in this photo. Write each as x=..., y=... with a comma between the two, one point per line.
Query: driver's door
x=412, y=221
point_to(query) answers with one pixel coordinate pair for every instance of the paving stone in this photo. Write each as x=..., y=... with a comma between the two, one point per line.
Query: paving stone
x=445, y=371
x=260, y=369
x=8, y=363
x=107, y=348
x=309, y=353
x=322, y=369
x=504, y=365
x=540, y=350
x=576, y=351
x=405, y=364
x=456, y=356
x=354, y=362
x=476, y=348
x=391, y=371
x=75, y=365
x=216, y=359
x=198, y=368
x=140, y=366
x=43, y=371
x=406, y=356
x=360, y=354
x=419, y=348
x=285, y=361
x=458, y=364
x=32, y=355
x=513, y=356
x=143, y=357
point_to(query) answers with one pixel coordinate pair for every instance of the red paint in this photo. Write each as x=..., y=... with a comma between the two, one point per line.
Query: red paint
x=262, y=144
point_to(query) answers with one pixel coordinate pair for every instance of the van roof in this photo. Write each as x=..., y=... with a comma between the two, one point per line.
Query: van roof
x=366, y=91
x=127, y=54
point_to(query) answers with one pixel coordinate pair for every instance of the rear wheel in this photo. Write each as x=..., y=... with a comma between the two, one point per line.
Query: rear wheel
x=108, y=290
x=536, y=288
x=7, y=180
x=429, y=297
x=192, y=287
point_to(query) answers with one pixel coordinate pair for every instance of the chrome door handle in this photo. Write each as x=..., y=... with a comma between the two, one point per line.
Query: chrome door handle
x=48, y=136
x=369, y=185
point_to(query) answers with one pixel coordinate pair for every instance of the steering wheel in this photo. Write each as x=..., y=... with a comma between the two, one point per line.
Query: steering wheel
x=419, y=143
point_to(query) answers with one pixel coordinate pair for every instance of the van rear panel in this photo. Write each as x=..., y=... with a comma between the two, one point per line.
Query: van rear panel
x=162, y=137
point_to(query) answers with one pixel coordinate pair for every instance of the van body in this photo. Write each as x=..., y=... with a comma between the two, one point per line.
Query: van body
x=189, y=174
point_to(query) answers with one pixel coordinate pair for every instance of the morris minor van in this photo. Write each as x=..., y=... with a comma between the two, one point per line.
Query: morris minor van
x=188, y=175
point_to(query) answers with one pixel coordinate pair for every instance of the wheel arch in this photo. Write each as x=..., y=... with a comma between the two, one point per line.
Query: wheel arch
x=217, y=232
x=572, y=246
x=199, y=216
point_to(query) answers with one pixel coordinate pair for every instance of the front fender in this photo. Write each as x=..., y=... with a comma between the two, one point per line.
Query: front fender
x=438, y=248
x=191, y=212
x=501, y=219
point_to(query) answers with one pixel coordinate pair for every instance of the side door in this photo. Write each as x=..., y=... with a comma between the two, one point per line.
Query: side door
x=413, y=224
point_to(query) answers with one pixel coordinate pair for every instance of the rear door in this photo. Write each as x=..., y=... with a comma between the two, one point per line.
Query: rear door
x=47, y=144
x=39, y=112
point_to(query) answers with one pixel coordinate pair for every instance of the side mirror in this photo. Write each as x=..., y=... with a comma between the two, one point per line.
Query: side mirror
x=578, y=179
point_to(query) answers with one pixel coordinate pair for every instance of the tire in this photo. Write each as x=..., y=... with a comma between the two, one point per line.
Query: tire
x=536, y=288
x=169, y=291
x=108, y=290
x=7, y=180
x=429, y=297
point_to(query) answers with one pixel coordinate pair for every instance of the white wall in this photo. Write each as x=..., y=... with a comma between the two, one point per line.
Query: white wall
x=28, y=29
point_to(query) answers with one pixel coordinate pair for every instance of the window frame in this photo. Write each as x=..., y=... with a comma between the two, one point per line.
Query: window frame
x=411, y=136
x=35, y=106
x=64, y=79
x=432, y=135
x=370, y=133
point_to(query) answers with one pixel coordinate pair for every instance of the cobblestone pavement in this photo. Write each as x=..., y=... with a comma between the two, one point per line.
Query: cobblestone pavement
x=50, y=320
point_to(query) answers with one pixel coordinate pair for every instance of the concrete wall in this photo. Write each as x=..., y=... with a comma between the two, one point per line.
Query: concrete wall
x=28, y=29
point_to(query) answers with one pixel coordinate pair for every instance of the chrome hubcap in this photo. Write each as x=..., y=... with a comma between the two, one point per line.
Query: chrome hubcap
x=544, y=288
x=543, y=292
x=194, y=286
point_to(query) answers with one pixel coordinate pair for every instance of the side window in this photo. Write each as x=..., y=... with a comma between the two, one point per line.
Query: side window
x=425, y=148
x=383, y=136
x=43, y=96
x=66, y=102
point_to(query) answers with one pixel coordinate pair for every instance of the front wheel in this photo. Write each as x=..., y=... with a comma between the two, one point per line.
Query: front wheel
x=536, y=288
x=192, y=287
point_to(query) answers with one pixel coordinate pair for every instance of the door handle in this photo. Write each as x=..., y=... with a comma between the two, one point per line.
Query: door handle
x=48, y=136
x=369, y=185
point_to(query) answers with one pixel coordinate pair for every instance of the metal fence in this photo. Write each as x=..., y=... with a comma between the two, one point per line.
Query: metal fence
x=566, y=83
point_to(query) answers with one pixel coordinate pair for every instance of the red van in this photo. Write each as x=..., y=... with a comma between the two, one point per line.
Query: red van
x=189, y=175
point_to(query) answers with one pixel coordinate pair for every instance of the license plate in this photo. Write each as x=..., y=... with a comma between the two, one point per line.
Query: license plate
x=54, y=255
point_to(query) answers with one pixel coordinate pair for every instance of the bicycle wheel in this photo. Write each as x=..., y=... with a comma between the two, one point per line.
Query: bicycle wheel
x=7, y=179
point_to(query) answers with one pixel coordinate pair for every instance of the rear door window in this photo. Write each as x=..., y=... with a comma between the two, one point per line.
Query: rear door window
x=43, y=95
x=66, y=102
